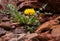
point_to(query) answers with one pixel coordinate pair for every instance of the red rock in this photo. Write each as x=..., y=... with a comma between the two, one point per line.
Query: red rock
x=56, y=30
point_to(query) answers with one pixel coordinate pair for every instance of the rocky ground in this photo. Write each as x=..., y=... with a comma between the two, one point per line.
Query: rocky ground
x=49, y=30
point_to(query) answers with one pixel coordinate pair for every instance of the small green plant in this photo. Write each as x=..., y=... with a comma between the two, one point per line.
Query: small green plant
x=28, y=17
x=21, y=17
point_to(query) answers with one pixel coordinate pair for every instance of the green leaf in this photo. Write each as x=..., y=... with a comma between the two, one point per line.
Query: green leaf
x=14, y=12
x=31, y=20
x=5, y=11
x=25, y=20
x=30, y=29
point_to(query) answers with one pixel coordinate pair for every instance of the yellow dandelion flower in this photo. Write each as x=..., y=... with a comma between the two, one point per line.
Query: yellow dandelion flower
x=29, y=11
